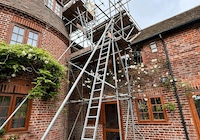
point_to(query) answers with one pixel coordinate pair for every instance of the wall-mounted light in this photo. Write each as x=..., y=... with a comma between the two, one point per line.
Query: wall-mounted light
x=163, y=79
x=153, y=47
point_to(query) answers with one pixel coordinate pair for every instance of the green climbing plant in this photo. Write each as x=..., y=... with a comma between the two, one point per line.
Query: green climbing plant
x=2, y=132
x=170, y=106
x=18, y=59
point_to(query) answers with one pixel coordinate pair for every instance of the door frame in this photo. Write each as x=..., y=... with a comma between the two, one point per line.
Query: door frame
x=103, y=117
x=195, y=114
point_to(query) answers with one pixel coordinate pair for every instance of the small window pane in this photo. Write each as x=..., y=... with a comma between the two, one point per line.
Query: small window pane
x=2, y=120
x=153, y=101
x=19, y=39
x=12, y=42
x=6, y=101
x=34, y=43
x=35, y=37
x=3, y=111
x=154, y=108
x=158, y=101
x=16, y=29
x=14, y=37
x=155, y=115
x=30, y=35
x=29, y=41
x=21, y=31
x=161, y=115
x=144, y=116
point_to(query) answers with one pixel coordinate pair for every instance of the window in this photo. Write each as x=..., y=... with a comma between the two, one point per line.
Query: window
x=137, y=56
x=151, y=110
x=132, y=58
x=8, y=103
x=32, y=39
x=17, y=35
x=153, y=47
x=57, y=9
x=21, y=35
x=50, y=4
x=54, y=6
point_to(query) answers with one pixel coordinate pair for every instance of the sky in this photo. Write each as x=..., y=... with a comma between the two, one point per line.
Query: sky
x=149, y=12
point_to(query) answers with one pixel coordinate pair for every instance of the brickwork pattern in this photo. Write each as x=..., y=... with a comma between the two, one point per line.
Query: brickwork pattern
x=42, y=111
x=37, y=9
x=5, y=19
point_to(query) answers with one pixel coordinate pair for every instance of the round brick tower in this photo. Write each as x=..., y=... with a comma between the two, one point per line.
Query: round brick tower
x=38, y=23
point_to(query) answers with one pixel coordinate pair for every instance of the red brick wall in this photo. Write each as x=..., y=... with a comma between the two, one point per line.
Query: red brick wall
x=37, y=9
x=55, y=43
x=183, y=48
x=5, y=20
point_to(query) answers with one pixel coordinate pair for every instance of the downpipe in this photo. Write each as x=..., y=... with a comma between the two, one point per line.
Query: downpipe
x=175, y=88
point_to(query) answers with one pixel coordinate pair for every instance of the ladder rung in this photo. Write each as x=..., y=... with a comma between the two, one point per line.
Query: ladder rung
x=101, y=69
x=91, y=117
x=102, y=58
x=94, y=107
x=90, y=127
x=86, y=139
x=95, y=90
x=97, y=83
x=104, y=48
x=104, y=53
x=102, y=63
x=97, y=98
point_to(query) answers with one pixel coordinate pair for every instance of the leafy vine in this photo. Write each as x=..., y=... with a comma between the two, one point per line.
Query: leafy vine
x=18, y=59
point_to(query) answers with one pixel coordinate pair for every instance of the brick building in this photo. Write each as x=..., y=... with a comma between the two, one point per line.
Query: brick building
x=164, y=75
x=177, y=41
x=163, y=64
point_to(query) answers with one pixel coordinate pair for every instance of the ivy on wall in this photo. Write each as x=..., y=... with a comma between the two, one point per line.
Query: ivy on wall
x=18, y=59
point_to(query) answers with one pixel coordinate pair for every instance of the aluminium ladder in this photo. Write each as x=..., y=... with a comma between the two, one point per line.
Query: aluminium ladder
x=94, y=105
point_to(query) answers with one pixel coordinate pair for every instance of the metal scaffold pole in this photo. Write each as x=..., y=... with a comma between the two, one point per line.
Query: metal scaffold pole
x=74, y=85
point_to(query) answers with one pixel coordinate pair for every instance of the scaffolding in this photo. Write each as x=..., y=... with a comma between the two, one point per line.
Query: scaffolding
x=100, y=34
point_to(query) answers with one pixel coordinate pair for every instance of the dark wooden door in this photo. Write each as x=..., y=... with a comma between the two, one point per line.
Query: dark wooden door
x=110, y=121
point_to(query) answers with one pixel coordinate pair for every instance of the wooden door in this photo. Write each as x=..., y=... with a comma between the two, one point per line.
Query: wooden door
x=195, y=109
x=110, y=121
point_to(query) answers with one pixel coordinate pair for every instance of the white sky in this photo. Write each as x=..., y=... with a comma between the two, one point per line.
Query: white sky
x=149, y=12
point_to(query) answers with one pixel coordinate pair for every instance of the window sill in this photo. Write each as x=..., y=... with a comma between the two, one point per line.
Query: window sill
x=18, y=132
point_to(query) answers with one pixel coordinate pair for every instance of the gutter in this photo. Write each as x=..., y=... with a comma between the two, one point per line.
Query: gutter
x=175, y=88
x=196, y=20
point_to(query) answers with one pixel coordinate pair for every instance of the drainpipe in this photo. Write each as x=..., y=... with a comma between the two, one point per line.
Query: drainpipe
x=175, y=89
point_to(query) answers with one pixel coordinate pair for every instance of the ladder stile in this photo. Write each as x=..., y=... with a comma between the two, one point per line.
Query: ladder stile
x=96, y=95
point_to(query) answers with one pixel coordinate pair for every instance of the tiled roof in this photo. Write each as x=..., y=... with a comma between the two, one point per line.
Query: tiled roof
x=168, y=24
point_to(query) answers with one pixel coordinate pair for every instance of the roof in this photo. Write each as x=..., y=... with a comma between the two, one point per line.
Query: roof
x=168, y=24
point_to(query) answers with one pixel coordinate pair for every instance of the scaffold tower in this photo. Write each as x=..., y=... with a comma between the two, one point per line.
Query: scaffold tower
x=99, y=33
